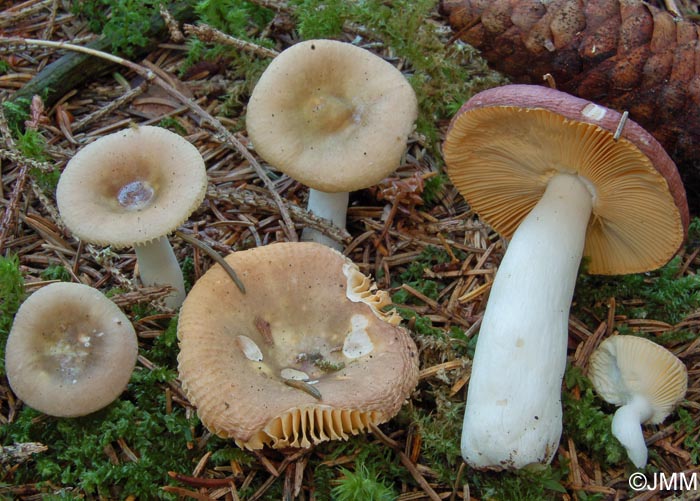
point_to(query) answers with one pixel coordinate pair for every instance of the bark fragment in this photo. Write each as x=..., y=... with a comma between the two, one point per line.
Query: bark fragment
x=626, y=54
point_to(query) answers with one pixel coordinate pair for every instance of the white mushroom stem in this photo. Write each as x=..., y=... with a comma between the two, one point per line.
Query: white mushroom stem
x=158, y=266
x=513, y=412
x=330, y=206
x=627, y=428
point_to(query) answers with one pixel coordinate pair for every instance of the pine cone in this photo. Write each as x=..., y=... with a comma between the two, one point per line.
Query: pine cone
x=624, y=54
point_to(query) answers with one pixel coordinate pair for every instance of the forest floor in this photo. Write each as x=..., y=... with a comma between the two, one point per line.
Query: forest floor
x=413, y=233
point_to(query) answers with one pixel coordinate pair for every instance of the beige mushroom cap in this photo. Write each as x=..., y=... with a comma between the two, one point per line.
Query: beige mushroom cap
x=71, y=351
x=308, y=314
x=506, y=143
x=131, y=187
x=625, y=366
x=332, y=115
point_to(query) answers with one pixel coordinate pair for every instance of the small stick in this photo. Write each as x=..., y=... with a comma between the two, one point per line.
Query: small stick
x=215, y=256
x=208, y=34
x=304, y=386
x=406, y=461
x=21, y=452
x=547, y=77
x=241, y=196
x=171, y=23
x=222, y=133
x=110, y=107
x=199, y=481
x=621, y=125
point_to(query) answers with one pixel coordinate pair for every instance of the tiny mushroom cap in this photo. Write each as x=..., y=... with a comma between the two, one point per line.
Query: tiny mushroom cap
x=562, y=178
x=332, y=115
x=71, y=351
x=133, y=187
x=305, y=356
x=644, y=379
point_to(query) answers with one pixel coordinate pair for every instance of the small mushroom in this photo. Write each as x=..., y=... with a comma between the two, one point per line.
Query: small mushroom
x=328, y=363
x=335, y=117
x=133, y=187
x=562, y=178
x=71, y=351
x=644, y=379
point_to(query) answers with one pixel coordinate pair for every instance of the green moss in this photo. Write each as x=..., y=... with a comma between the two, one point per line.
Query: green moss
x=587, y=423
x=12, y=294
x=316, y=19
x=414, y=276
x=433, y=188
x=126, y=23
x=16, y=112
x=173, y=124
x=440, y=429
x=688, y=424
x=664, y=295
x=522, y=485
x=30, y=142
x=363, y=484
x=77, y=456
x=239, y=18
x=56, y=272
x=233, y=17
x=164, y=350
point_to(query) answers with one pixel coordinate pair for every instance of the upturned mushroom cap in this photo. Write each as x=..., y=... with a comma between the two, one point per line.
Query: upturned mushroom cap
x=332, y=115
x=506, y=143
x=309, y=317
x=625, y=366
x=71, y=351
x=131, y=187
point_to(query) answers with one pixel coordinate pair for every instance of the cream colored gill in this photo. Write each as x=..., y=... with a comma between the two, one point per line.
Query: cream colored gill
x=501, y=159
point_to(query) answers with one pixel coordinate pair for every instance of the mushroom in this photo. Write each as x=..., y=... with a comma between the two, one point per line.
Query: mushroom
x=133, y=187
x=71, y=351
x=333, y=116
x=562, y=178
x=644, y=379
x=305, y=356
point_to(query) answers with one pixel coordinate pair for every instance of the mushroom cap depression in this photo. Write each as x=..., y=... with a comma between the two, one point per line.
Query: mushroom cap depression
x=506, y=143
x=624, y=366
x=309, y=317
x=131, y=187
x=71, y=351
x=332, y=115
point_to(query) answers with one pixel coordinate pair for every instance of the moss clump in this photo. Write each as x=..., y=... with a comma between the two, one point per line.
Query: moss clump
x=362, y=484
x=12, y=294
x=113, y=453
x=663, y=294
x=586, y=422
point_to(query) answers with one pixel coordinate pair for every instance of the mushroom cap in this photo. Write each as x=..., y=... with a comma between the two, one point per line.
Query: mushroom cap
x=332, y=115
x=505, y=143
x=131, y=187
x=71, y=351
x=308, y=313
x=624, y=366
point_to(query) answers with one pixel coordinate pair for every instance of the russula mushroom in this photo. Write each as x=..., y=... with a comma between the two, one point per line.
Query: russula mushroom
x=644, y=379
x=306, y=355
x=71, y=351
x=133, y=187
x=562, y=178
x=333, y=116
